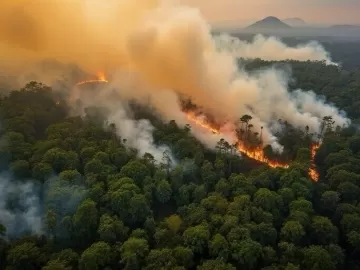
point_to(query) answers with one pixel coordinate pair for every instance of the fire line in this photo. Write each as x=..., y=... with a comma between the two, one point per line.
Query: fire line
x=100, y=79
x=258, y=153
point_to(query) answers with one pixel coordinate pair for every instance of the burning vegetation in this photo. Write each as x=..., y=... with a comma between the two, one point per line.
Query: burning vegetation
x=313, y=173
x=251, y=143
x=100, y=79
x=247, y=142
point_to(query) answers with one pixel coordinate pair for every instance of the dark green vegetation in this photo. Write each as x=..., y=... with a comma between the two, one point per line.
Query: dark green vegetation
x=105, y=208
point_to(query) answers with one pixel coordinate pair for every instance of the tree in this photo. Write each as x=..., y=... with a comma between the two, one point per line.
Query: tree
x=290, y=253
x=265, y=199
x=184, y=256
x=247, y=253
x=215, y=265
x=265, y=234
x=316, y=257
x=112, y=229
x=61, y=160
x=301, y=205
x=20, y=168
x=323, y=231
x=134, y=251
x=215, y=203
x=70, y=176
x=223, y=187
x=329, y=201
x=139, y=209
x=96, y=257
x=94, y=166
x=349, y=192
x=197, y=238
x=24, y=256
x=85, y=220
x=163, y=191
x=293, y=232
x=2, y=230
x=136, y=171
x=174, y=223
x=64, y=259
x=245, y=119
x=219, y=247
x=160, y=259
x=42, y=171
x=350, y=222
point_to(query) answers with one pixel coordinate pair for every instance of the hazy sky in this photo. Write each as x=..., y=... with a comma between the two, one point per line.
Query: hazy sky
x=312, y=11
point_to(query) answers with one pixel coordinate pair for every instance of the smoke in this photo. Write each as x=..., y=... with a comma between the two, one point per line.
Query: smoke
x=138, y=134
x=271, y=49
x=160, y=50
x=20, y=208
x=63, y=197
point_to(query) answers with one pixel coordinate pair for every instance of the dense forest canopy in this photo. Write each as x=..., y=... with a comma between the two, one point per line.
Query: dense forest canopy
x=186, y=157
x=74, y=195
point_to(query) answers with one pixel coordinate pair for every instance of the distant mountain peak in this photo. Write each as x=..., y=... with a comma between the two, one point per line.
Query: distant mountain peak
x=270, y=22
x=295, y=22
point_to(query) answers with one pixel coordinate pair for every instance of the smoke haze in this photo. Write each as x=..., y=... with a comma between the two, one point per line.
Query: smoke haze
x=20, y=208
x=271, y=49
x=161, y=50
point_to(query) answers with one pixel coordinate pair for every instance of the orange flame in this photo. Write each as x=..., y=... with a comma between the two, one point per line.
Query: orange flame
x=257, y=154
x=100, y=79
x=313, y=173
x=192, y=117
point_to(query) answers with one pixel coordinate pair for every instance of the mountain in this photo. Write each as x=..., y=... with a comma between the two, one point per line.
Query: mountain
x=269, y=23
x=344, y=27
x=295, y=22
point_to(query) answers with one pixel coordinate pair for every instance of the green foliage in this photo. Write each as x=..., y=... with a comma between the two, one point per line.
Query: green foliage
x=105, y=207
x=197, y=238
x=133, y=251
x=96, y=257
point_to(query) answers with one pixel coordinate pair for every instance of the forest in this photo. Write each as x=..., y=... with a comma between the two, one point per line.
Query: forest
x=74, y=195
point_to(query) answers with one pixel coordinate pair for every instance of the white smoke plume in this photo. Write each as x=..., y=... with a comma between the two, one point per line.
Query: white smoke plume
x=163, y=49
x=271, y=49
x=20, y=208
x=137, y=133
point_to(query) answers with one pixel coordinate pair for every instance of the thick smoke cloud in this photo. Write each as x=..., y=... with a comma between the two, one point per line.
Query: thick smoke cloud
x=137, y=133
x=271, y=49
x=160, y=49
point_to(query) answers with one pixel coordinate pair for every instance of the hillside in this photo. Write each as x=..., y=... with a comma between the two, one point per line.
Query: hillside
x=345, y=27
x=90, y=201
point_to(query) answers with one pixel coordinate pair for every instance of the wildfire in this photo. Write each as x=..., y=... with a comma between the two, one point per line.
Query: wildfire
x=100, y=79
x=201, y=123
x=313, y=173
x=257, y=154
